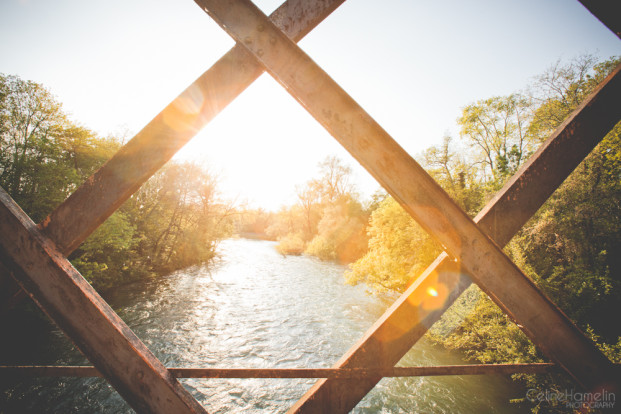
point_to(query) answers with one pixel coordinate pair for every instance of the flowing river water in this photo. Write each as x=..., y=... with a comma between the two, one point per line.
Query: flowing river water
x=252, y=308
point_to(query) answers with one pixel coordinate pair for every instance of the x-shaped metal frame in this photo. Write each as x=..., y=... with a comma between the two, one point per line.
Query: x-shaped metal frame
x=36, y=255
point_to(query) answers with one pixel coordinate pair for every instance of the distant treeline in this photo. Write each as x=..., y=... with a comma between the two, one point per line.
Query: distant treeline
x=571, y=248
x=328, y=221
x=174, y=221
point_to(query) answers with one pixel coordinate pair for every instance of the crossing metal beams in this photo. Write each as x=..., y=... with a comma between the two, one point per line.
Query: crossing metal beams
x=37, y=256
x=95, y=200
x=407, y=320
x=417, y=193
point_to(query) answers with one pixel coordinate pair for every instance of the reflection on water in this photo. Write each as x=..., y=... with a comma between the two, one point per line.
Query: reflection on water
x=252, y=309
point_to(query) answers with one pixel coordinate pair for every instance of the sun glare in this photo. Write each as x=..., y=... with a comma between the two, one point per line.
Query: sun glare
x=263, y=145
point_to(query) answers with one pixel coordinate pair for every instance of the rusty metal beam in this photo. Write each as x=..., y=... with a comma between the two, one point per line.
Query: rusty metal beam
x=98, y=332
x=95, y=200
x=407, y=320
x=332, y=373
x=416, y=191
x=606, y=12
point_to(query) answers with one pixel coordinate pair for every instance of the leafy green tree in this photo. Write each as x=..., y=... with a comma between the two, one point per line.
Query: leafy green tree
x=175, y=220
x=179, y=218
x=497, y=130
x=104, y=258
x=44, y=156
x=32, y=169
x=573, y=248
x=398, y=250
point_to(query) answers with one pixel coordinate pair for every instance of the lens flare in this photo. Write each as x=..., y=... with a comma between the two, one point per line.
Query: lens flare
x=182, y=114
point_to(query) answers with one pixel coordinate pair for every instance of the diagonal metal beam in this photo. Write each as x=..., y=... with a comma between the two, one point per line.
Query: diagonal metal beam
x=95, y=200
x=79, y=311
x=407, y=320
x=415, y=190
x=606, y=12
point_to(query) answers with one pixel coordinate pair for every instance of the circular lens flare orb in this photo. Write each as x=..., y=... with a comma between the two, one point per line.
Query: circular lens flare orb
x=432, y=291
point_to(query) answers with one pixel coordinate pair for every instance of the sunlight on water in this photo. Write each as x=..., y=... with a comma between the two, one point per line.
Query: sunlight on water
x=255, y=308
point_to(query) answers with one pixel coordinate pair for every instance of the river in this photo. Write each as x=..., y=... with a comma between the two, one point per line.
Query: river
x=252, y=308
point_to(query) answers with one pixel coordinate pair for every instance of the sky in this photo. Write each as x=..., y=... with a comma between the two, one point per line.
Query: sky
x=412, y=65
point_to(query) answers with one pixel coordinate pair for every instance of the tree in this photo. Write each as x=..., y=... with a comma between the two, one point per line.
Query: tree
x=175, y=220
x=309, y=200
x=398, y=249
x=340, y=232
x=455, y=174
x=561, y=88
x=43, y=155
x=328, y=221
x=179, y=217
x=32, y=170
x=106, y=255
x=253, y=223
x=497, y=129
x=334, y=181
x=571, y=248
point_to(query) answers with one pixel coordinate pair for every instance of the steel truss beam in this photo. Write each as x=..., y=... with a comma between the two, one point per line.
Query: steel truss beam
x=418, y=194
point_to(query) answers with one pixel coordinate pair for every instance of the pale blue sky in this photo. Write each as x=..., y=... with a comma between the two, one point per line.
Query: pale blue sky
x=411, y=64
